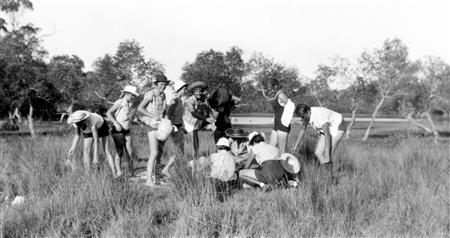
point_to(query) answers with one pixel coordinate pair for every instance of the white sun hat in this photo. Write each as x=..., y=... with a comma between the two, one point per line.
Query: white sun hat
x=131, y=89
x=78, y=116
x=254, y=133
x=178, y=84
x=223, y=142
x=290, y=163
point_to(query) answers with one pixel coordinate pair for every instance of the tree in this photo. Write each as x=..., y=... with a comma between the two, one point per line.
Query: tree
x=217, y=69
x=260, y=70
x=66, y=74
x=386, y=67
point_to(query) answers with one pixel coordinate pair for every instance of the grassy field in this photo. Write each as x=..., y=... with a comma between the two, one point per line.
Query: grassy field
x=393, y=185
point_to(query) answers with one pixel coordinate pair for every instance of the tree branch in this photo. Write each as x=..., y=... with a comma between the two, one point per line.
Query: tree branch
x=103, y=98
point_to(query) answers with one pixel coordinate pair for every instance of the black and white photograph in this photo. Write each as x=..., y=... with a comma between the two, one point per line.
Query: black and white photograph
x=224, y=118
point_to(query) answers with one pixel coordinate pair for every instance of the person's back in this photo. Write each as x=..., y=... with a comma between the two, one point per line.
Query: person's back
x=223, y=166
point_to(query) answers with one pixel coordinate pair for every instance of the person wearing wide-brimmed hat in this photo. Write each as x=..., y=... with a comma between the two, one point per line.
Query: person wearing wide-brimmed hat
x=270, y=170
x=222, y=101
x=198, y=114
x=239, y=141
x=93, y=127
x=121, y=115
x=152, y=107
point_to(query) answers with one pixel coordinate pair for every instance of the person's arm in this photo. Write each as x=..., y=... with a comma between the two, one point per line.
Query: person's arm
x=300, y=136
x=142, y=105
x=326, y=131
x=249, y=159
x=236, y=99
x=112, y=118
x=265, y=95
x=95, y=138
x=76, y=138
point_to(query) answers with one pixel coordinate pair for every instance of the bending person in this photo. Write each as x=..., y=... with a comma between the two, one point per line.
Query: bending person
x=120, y=114
x=270, y=170
x=93, y=127
x=330, y=127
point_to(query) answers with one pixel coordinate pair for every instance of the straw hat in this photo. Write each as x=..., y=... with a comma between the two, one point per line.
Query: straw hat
x=198, y=84
x=178, y=84
x=78, y=116
x=236, y=133
x=223, y=142
x=130, y=89
x=290, y=163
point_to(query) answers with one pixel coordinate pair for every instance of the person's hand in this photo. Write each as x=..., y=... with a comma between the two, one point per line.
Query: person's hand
x=117, y=126
x=210, y=120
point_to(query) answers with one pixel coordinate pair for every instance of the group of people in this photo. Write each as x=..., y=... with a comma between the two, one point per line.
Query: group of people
x=247, y=158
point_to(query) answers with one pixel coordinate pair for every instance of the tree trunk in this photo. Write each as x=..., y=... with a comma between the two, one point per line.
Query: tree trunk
x=433, y=127
x=352, y=122
x=30, y=122
x=374, y=114
x=17, y=114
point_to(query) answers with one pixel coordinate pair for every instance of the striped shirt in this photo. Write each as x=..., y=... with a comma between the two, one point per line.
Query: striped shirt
x=192, y=104
x=156, y=103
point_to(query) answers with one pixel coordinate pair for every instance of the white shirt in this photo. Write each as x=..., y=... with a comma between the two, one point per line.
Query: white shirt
x=264, y=152
x=223, y=166
x=122, y=113
x=320, y=116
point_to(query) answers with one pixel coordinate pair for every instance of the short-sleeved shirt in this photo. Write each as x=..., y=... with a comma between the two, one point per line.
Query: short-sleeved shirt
x=223, y=166
x=156, y=103
x=93, y=120
x=320, y=116
x=264, y=152
x=192, y=104
x=123, y=113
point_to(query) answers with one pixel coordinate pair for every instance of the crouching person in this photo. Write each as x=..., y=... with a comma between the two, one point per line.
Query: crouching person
x=270, y=171
x=223, y=169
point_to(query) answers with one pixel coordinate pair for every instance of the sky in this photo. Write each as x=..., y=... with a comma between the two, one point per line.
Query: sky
x=298, y=33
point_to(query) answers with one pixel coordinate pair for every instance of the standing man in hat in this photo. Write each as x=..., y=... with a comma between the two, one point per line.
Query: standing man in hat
x=121, y=114
x=93, y=128
x=198, y=114
x=153, y=108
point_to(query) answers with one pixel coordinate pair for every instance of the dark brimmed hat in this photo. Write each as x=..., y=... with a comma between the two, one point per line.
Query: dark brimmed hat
x=236, y=133
x=198, y=84
x=161, y=78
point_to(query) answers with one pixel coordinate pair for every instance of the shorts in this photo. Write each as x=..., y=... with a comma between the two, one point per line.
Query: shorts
x=123, y=131
x=103, y=131
x=270, y=172
x=278, y=126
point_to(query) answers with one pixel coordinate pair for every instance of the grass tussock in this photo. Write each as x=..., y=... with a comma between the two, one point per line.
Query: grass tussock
x=387, y=187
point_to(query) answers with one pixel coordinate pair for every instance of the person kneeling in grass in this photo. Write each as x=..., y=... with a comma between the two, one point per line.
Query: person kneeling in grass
x=329, y=125
x=270, y=170
x=93, y=127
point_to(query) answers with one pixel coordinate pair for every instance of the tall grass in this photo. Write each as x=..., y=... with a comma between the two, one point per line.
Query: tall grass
x=390, y=187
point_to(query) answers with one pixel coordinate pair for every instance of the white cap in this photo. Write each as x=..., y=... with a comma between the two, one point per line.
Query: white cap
x=223, y=141
x=254, y=133
x=178, y=84
x=131, y=89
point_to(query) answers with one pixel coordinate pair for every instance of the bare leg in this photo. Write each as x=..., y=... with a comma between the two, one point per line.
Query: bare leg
x=153, y=143
x=320, y=149
x=273, y=138
x=129, y=149
x=166, y=168
x=87, y=146
x=109, y=157
x=282, y=138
